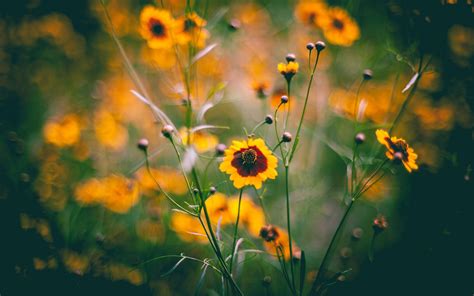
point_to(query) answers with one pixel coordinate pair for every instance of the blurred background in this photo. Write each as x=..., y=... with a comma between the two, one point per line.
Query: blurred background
x=69, y=125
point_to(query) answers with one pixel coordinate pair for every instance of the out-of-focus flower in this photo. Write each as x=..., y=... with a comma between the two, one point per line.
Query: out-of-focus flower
x=170, y=180
x=338, y=27
x=114, y=192
x=218, y=209
x=150, y=230
x=160, y=58
x=109, y=131
x=398, y=149
x=187, y=227
x=190, y=28
x=309, y=12
x=380, y=190
x=64, y=132
x=121, y=272
x=288, y=70
x=261, y=88
x=433, y=117
x=40, y=264
x=156, y=26
x=276, y=241
x=201, y=140
x=75, y=263
x=249, y=162
x=461, y=43
x=251, y=215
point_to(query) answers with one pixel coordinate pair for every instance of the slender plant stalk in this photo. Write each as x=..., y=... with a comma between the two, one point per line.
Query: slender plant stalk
x=235, y=231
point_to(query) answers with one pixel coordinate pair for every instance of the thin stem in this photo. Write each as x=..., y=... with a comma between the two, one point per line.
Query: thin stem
x=235, y=231
x=314, y=288
x=288, y=106
x=288, y=218
x=298, y=131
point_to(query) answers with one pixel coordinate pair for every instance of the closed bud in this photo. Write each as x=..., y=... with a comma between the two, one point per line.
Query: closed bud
x=310, y=46
x=367, y=74
x=286, y=137
x=268, y=119
x=167, y=131
x=220, y=149
x=212, y=190
x=143, y=144
x=267, y=280
x=379, y=224
x=290, y=57
x=284, y=99
x=320, y=45
x=359, y=138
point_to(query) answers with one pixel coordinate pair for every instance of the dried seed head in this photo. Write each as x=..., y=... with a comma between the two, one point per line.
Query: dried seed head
x=220, y=149
x=367, y=74
x=143, y=144
x=320, y=45
x=310, y=46
x=291, y=57
x=284, y=99
x=286, y=137
x=268, y=119
x=167, y=131
x=359, y=138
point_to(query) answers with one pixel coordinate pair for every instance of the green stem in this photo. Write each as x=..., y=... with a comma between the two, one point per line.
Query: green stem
x=288, y=218
x=235, y=231
x=300, y=124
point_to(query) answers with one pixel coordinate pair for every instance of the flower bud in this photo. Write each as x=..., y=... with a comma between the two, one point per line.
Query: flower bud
x=320, y=46
x=167, y=131
x=367, y=74
x=357, y=233
x=267, y=280
x=234, y=24
x=220, y=149
x=284, y=99
x=212, y=190
x=143, y=144
x=310, y=46
x=379, y=224
x=286, y=137
x=290, y=57
x=268, y=119
x=359, y=138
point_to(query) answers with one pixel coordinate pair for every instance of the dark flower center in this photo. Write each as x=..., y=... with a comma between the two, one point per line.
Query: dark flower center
x=249, y=161
x=338, y=24
x=269, y=233
x=398, y=146
x=157, y=28
x=311, y=17
x=249, y=156
x=189, y=24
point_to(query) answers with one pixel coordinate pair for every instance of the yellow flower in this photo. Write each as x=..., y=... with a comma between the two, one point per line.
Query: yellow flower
x=63, y=133
x=339, y=28
x=261, y=88
x=170, y=180
x=288, y=70
x=156, y=26
x=201, y=140
x=120, y=193
x=187, y=227
x=398, y=149
x=75, y=262
x=249, y=162
x=310, y=12
x=190, y=28
x=114, y=192
x=251, y=215
x=275, y=238
x=109, y=131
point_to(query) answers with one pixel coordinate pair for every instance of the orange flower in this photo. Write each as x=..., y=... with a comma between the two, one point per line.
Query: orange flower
x=63, y=133
x=277, y=242
x=398, y=149
x=339, y=28
x=310, y=12
x=156, y=26
x=190, y=28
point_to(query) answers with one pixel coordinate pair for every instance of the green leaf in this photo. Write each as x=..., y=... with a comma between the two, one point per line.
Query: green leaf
x=302, y=271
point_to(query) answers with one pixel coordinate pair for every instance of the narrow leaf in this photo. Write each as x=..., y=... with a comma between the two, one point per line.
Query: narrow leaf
x=203, y=53
x=302, y=272
x=411, y=82
x=157, y=111
x=201, y=279
x=174, y=267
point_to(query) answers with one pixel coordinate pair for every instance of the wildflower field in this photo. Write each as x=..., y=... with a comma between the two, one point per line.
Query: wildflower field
x=249, y=147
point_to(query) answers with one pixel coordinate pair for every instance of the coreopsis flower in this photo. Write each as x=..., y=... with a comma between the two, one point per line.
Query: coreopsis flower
x=338, y=27
x=201, y=140
x=249, y=162
x=288, y=70
x=64, y=132
x=251, y=215
x=275, y=238
x=156, y=26
x=190, y=28
x=310, y=12
x=170, y=180
x=398, y=149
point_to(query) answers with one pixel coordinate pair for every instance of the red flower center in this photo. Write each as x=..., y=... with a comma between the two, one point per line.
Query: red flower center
x=249, y=161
